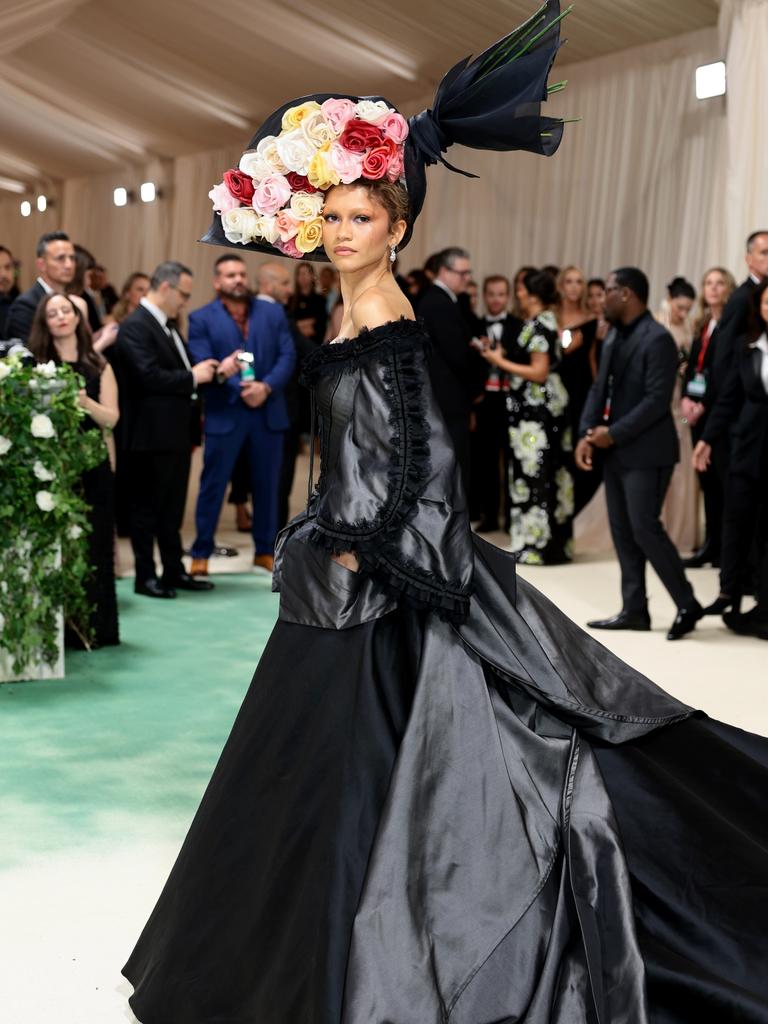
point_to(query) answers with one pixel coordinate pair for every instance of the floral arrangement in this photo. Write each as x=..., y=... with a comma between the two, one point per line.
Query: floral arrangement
x=277, y=194
x=43, y=518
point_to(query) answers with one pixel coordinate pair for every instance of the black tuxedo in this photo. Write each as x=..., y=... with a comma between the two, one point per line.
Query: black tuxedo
x=22, y=312
x=156, y=416
x=733, y=325
x=636, y=379
x=451, y=368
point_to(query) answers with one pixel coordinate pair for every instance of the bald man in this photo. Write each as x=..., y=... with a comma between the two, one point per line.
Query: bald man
x=275, y=285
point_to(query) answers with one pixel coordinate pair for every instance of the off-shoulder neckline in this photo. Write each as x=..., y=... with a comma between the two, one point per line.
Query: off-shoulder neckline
x=366, y=331
x=350, y=351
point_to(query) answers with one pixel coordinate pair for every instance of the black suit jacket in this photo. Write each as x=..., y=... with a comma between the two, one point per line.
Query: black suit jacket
x=156, y=409
x=453, y=372
x=643, y=365
x=732, y=327
x=22, y=312
x=741, y=411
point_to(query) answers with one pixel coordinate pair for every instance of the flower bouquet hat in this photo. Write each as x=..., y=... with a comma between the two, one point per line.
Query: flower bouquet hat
x=272, y=203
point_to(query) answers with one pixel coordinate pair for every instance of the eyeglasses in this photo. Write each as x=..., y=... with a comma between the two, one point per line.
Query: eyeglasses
x=185, y=295
x=461, y=273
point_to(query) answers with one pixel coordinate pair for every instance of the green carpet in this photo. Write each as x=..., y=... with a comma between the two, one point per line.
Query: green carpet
x=126, y=743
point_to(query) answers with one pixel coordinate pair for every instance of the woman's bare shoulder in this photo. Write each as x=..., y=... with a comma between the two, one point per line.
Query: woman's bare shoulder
x=377, y=306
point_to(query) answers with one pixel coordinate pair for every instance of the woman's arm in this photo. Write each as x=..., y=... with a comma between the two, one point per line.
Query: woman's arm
x=105, y=412
x=537, y=371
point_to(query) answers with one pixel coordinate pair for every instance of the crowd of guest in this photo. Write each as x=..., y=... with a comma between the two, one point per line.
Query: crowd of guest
x=550, y=383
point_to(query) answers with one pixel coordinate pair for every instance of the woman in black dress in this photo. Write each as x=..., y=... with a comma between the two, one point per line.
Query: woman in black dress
x=307, y=307
x=441, y=801
x=59, y=334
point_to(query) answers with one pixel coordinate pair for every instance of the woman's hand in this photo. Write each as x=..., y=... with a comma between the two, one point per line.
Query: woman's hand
x=348, y=559
x=492, y=355
x=82, y=397
x=105, y=337
x=692, y=411
x=702, y=457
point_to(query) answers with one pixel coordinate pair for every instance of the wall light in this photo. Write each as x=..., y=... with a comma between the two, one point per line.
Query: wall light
x=42, y=203
x=710, y=80
x=148, y=192
x=120, y=197
x=26, y=208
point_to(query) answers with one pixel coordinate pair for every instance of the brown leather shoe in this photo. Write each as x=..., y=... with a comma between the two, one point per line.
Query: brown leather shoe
x=243, y=519
x=266, y=562
x=199, y=567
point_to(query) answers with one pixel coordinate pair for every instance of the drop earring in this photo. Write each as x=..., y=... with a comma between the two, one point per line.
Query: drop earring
x=392, y=254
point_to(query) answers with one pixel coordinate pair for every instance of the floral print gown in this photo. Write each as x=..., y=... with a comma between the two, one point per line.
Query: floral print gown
x=541, y=447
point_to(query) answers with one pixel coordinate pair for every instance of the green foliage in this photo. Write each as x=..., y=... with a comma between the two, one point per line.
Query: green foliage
x=43, y=517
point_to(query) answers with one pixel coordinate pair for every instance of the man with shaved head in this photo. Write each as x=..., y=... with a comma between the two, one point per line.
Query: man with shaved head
x=275, y=286
x=245, y=405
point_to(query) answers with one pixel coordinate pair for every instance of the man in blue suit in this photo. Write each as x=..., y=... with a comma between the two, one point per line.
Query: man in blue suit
x=239, y=412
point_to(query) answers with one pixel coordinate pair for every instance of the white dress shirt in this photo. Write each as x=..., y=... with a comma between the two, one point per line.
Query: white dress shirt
x=762, y=344
x=441, y=284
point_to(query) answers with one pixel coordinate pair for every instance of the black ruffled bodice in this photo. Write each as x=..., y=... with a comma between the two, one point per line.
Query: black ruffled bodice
x=389, y=488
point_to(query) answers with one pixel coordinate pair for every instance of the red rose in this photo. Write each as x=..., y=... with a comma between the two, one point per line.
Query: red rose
x=359, y=136
x=300, y=183
x=240, y=186
x=376, y=163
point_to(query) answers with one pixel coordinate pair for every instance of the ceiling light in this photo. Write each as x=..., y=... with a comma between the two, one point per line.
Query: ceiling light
x=710, y=80
x=11, y=185
x=26, y=208
x=120, y=197
x=148, y=192
x=42, y=204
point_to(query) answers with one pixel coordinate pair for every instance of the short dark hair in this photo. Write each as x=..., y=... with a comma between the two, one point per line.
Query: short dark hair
x=432, y=263
x=551, y=268
x=541, y=284
x=446, y=257
x=495, y=279
x=595, y=282
x=678, y=288
x=45, y=240
x=170, y=271
x=634, y=279
x=228, y=258
x=753, y=237
x=4, y=248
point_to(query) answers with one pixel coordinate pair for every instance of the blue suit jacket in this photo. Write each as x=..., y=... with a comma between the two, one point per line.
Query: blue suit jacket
x=213, y=334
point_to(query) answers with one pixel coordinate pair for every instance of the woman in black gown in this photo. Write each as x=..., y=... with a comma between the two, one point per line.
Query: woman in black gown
x=441, y=801
x=59, y=334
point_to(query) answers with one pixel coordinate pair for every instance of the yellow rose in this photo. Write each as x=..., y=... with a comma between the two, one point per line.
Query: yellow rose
x=293, y=117
x=309, y=235
x=321, y=173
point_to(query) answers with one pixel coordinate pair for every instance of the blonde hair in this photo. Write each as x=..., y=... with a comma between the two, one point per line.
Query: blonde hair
x=584, y=289
x=704, y=314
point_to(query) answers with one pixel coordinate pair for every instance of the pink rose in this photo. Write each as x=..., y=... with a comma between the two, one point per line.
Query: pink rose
x=222, y=198
x=376, y=163
x=348, y=166
x=337, y=113
x=396, y=166
x=271, y=193
x=395, y=127
x=288, y=248
x=240, y=185
x=287, y=225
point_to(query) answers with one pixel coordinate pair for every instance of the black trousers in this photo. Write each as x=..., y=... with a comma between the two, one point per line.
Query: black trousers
x=490, y=455
x=291, y=448
x=158, y=495
x=635, y=498
x=240, y=487
x=712, y=482
x=745, y=536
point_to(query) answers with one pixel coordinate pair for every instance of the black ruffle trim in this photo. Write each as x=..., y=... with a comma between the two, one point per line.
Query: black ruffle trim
x=349, y=354
x=376, y=542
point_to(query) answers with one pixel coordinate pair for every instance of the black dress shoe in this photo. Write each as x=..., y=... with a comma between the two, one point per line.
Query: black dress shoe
x=746, y=625
x=704, y=556
x=186, y=582
x=153, y=588
x=723, y=604
x=487, y=526
x=640, y=621
x=685, y=621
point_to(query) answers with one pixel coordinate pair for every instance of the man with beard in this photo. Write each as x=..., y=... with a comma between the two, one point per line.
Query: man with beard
x=245, y=405
x=627, y=416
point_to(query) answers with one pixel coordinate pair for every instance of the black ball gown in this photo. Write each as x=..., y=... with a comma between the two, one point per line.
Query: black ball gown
x=441, y=801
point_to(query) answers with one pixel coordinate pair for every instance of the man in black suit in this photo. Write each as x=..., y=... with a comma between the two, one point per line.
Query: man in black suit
x=8, y=290
x=56, y=268
x=490, y=442
x=628, y=417
x=452, y=370
x=157, y=386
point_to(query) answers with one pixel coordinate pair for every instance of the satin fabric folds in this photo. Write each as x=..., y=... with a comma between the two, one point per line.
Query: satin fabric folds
x=441, y=801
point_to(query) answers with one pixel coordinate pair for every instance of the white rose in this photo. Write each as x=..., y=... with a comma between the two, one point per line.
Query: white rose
x=266, y=227
x=317, y=130
x=4, y=369
x=269, y=153
x=372, y=111
x=48, y=369
x=75, y=531
x=2, y=621
x=41, y=426
x=5, y=444
x=32, y=383
x=45, y=501
x=295, y=150
x=306, y=205
x=41, y=472
x=239, y=224
x=254, y=165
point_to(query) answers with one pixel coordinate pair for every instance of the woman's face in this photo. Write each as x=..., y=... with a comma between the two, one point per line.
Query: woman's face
x=680, y=309
x=305, y=280
x=60, y=317
x=596, y=300
x=356, y=229
x=137, y=291
x=573, y=286
x=715, y=289
x=522, y=295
